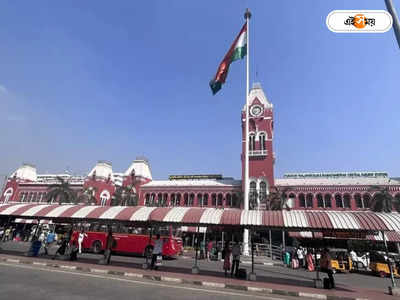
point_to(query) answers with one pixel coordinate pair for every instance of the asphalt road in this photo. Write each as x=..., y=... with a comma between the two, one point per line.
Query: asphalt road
x=276, y=274
x=21, y=282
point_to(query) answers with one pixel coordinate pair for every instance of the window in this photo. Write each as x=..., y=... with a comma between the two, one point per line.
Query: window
x=359, y=203
x=252, y=142
x=178, y=199
x=309, y=200
x=302, y=200
x=366, y=200
x=186, y=199
x=220, y=197
x=173, y=199
x=159, y=199
x=21, y=197
x=339, y=201
x=213, y=200
x=104, y=196
x=328, y=200
x=253, y=195
x=205, y=200
x=200, y=200
x=346, y=201
x=147, y=200
x=235, y=200
x=7, y=194
x=262, y=141
x=165, y=200
x=191, y=199
x=263, y=191
x=34, y=197
x=152, y=199
x=228, y=200
x=320, y=200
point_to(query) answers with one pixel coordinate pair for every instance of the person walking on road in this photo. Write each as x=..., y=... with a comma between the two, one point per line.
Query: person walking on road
x=81, y=237
x=109, y=246
x=326, y=267
x=300, y=257
x=157, y=250
x=209, y=249
x=226, y=255
x=310, y=261
x=235, y=259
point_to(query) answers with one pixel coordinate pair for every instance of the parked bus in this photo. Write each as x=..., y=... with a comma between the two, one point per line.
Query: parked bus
x=130, y=240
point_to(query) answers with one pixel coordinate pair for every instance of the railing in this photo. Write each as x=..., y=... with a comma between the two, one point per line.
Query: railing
x=257, y=152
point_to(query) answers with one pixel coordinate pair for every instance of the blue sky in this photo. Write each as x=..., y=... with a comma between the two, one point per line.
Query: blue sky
x=84, y=81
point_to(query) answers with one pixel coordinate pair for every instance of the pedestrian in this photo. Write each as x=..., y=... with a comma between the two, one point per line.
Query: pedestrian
x=7, y=234
x=202, y=249
x=209, y=249
x=73, y=255
x=287, y=259
x=157, y=250
x=326, y=267
x=300, y=256
x=62, y=248
x=235, y=259
x=81, y=237
x=109, y=245
x=310, y=261
x=226, y=255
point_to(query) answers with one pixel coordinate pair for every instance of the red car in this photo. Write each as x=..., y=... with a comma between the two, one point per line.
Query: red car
x=132, y=243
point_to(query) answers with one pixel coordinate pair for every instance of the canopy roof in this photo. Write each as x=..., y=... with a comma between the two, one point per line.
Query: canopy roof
x=294, y=220
x=390, y=236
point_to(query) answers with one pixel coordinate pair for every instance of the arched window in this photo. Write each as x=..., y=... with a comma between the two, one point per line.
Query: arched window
x=30, y=197
x=302, y=200
x=40, y=195
x=263, y=191
x=220, y=197
x=8, y=194
x=21, y=196
x=205, y=200
x=309, y=200
x=200, y=200
x=328, y=200
x=320, y=200
x=185, y=199
x=191, y=199
x=34, y=197
x=339, y=201
x=252, y=142
x=228, y=200
x=346, y=201
x=235, y=200
x=173, y=199
x=262, y=141
x=213, y=200
x=147, y=200
x=178, y=199
x=366, y=200
x=159, y=199
x=153, y=199
x=104, y=196
x=164, y=200
x=253, y=195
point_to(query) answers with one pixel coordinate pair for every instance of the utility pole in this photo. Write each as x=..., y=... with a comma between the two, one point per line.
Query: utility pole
x=396, y=24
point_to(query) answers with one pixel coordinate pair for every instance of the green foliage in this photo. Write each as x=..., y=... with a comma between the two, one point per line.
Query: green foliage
x=61, y=192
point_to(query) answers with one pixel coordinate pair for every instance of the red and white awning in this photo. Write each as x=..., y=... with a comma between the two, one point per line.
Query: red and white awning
x=390, y=236
x=193, y=229
x=294, y=220
x=32, y=221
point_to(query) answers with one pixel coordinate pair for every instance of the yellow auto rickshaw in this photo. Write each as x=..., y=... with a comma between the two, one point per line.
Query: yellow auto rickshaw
x=340, y=261
x=379, y=266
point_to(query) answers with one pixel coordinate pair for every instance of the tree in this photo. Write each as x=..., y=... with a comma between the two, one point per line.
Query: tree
x=124, y=196
x=61, y=192
x=382, y=201
x=88, y=196
x=277, y=199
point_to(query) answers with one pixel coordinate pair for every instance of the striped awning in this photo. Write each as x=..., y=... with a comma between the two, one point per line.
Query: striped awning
x=294, y=220
x=32, y=221
x=390, y=236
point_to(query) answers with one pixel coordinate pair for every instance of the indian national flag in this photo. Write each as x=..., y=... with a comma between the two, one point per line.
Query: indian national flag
x=236, y=51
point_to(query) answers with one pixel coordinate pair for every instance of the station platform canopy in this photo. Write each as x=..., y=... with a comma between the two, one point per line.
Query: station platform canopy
x=291, y=220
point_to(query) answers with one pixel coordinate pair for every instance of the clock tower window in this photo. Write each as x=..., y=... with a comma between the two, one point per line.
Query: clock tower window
x=262, y=141
x=252, y=142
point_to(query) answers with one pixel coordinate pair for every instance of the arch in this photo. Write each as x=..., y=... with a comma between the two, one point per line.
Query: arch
x=34, y=197
x=185, y=199
x=104, y=196
x=309, y=200
x=200, y=199
x=178, y=199
x=191, y=199
x=302, y=200
x=228, y=198
x=263, y=191
x=328, y=200
x=253, y=195
x=347, y=200
x=252, y=141
x=205, y=200
x=8, y=194
x=21, y=197
x=147, y=199
x=159, y=199
x=366, y=200
x=358, y=200
x=339, y=200
x=220, y=197
x=235, y=200
x=213, y=199
x=173, y=199
x=164, y=200
x=262, y=138
x=320, y=200
x=152, y=199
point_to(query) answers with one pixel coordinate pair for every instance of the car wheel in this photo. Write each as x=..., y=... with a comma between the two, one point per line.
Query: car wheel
x=96, y=247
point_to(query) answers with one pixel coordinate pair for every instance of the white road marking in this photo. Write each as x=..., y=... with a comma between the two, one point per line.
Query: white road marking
x=144, y=283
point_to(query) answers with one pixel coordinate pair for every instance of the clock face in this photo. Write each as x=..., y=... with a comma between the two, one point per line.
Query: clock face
x=256, y=110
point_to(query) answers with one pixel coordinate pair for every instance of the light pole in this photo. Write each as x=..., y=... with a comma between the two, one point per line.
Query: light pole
x=396, y=23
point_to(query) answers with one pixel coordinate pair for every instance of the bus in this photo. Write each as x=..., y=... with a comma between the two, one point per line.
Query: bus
x=130, y=240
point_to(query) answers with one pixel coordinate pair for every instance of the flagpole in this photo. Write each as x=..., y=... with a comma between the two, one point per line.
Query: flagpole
x=247, y=16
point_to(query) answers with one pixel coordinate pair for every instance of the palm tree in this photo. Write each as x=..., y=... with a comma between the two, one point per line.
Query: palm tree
x=277, y=199
x=88, y=196
x=61, y=192
x=382, y=200
x=124, y=196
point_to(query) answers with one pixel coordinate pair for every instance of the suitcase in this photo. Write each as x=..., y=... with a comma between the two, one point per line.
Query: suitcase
x=242, y=274
x=327, y=284
x=295, y=263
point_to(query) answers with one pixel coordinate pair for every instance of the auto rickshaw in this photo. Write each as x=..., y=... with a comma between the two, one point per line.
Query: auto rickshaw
x=340, y=261
x=379, y=265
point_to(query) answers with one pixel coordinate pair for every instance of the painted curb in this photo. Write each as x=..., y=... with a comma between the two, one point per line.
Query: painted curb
x=185, y=281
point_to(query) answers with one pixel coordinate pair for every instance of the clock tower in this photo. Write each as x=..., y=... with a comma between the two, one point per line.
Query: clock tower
x=261, y=155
